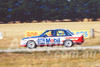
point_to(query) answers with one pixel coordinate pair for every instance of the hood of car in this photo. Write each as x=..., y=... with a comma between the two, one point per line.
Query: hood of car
x=34, y=36
x=30, y=37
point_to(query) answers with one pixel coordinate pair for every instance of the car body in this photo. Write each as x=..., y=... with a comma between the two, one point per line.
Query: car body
x=53, y=37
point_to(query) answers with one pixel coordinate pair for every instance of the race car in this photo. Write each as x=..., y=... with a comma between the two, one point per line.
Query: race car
x=52, y=38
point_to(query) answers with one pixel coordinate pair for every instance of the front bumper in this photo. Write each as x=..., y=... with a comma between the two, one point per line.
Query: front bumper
x=23, y=43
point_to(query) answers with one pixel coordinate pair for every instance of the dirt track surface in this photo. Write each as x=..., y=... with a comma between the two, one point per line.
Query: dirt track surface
x=51, y=49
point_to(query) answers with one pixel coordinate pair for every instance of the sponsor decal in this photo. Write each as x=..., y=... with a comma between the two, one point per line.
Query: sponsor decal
x=86, y=33
x=41, y=41
x=48, y=41
x=32, y=33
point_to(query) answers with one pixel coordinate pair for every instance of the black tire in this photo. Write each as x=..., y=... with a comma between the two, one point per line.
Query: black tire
x=51, y=45
x=31, y=44
x=68, y=43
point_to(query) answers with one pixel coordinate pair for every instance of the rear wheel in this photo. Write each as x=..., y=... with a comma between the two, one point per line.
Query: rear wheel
x=68, y=43
x=31, y=44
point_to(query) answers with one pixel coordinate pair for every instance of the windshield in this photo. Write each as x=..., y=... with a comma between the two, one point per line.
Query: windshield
x=48, y=33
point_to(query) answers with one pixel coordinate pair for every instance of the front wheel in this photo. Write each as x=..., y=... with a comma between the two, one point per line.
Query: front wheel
x=31, y=44
x=68, y=43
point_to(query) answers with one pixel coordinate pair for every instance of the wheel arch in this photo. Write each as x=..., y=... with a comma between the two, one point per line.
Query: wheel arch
x=68, y=40
x=30, y=40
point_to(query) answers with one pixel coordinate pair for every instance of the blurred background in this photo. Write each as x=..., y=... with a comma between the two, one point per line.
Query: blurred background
x=48, y=10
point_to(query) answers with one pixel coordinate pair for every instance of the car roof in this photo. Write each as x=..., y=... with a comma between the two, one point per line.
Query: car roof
x=57, y=29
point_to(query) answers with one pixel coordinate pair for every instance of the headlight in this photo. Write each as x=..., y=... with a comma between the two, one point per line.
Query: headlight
x=23, y=40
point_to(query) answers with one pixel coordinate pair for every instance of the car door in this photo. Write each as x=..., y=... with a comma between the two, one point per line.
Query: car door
x=51, y=39
x=62, y=35
x=47, y=39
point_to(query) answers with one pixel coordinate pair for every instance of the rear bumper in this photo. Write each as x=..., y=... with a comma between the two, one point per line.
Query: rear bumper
x=79, y=41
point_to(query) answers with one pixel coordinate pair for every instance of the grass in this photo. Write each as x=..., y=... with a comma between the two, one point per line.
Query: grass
x=19, y=29
x=92, y=42
x=42, y=59
x=13, y=33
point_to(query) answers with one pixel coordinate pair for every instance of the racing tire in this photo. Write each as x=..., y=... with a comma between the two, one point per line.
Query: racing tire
x=68, y=43
x=31, y=44
x=51, y=45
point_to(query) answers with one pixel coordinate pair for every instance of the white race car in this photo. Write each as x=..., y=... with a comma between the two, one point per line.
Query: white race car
x=53, y=37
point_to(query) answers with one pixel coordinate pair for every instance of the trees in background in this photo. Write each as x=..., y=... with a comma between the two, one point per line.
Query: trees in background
x=29, y=10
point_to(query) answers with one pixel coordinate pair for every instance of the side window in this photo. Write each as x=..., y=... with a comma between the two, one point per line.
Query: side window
x=60, y=33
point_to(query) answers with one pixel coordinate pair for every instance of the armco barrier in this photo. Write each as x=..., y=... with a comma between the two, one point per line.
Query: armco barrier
x=36, y=33
x=32, y=33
